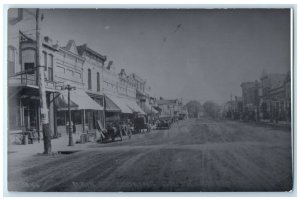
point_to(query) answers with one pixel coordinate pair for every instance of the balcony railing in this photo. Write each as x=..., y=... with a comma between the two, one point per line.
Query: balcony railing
x=30, y=80
x=24, y=79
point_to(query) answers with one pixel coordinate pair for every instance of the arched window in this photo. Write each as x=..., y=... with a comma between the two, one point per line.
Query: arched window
x=89, y=79
x=98, y=81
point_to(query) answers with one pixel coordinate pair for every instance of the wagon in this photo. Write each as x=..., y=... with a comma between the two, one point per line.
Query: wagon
x=112, y=132
x=141, y=125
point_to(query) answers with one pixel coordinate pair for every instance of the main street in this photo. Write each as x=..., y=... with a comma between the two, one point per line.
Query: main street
x=194, y=155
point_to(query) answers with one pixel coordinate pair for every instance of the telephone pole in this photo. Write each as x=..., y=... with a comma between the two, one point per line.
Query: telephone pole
x=69, y=88
x=42, y=90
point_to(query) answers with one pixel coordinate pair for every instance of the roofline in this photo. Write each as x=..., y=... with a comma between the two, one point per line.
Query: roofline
x=87, y=49
x=71, y=53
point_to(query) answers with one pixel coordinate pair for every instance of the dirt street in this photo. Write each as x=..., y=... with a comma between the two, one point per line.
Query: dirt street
x=194, y=155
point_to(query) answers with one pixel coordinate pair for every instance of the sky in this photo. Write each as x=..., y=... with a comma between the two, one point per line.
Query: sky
x=202, y=54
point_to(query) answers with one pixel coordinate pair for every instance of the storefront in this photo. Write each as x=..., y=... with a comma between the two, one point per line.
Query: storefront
x=128, y=108
x=85, y=112
x=152, y=113
x=112, y=111
x=24, y=111
x=117, y=109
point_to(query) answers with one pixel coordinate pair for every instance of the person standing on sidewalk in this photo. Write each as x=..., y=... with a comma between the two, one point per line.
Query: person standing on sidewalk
x=128, y=129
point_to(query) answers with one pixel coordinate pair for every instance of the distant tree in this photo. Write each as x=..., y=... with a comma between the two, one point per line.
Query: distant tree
x=193, y=108
x=211, y=109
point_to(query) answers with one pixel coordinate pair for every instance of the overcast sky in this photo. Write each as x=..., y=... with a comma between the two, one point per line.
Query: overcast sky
x=189, y=54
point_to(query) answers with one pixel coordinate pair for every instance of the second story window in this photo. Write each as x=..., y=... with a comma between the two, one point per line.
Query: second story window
x=45, y=60
x=89, y=79
x=50, y=68
x=29, y=68
x=98, y=81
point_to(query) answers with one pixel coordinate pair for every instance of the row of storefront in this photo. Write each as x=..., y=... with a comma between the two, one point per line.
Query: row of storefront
x=86, y=113
x=267, y=99
x=99, y=94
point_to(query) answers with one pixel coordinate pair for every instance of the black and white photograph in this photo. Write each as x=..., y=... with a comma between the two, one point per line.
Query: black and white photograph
x=150, y=99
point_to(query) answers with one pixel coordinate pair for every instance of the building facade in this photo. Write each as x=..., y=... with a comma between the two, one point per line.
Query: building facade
x=251, y=95
x=23, y=89
x=170, y=108
x=276, y=98
x=92, y=81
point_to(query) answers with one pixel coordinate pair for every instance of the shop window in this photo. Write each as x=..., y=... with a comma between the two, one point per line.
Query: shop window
x=77, y=117
x=14, y=116
x=61, y=118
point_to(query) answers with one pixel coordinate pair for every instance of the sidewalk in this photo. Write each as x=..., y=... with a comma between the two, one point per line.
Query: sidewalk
x=280, y=124
x=60, y=144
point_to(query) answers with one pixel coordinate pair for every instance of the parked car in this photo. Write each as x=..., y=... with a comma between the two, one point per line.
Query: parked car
x=163, y=124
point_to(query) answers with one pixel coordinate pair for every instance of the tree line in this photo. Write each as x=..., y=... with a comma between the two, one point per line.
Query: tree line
x=208, y=108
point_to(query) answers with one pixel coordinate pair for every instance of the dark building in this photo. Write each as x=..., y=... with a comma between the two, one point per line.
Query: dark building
x=276, y=96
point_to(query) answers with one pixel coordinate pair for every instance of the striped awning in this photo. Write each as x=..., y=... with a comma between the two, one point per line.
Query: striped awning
x=118, y=101
x=133, y=106
x=79, y=100
x=110, y=106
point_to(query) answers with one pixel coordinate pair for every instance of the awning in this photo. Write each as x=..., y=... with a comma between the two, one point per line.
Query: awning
x=158, y=109
x=79, y=101
x=120, y=103
x=133, y=106
x=110, y=106
x=149, y=109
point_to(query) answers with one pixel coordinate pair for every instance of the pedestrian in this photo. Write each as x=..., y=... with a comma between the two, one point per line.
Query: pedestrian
x=128, y=128
x=74, y=127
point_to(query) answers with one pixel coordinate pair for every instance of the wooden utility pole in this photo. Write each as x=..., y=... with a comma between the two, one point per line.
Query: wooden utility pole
x=42, y=90
x=69, y=88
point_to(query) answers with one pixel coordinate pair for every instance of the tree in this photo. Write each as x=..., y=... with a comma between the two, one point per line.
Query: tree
x=211, y=109
x=193, y=108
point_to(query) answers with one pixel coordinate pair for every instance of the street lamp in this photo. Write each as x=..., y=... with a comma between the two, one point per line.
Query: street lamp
x=69, y=88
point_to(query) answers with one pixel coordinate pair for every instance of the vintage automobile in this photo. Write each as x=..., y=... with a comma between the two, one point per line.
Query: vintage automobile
x=141, y=125
x=163, y=123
